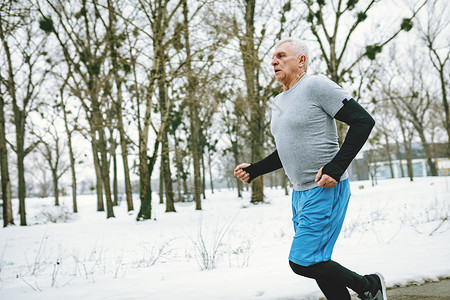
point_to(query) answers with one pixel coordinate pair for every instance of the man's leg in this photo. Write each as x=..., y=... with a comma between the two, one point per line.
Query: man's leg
x=318, y=215
x=333, y=290
x=333, y=272
x=335, y=278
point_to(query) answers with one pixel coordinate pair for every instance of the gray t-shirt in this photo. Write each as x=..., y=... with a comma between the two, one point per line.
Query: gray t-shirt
x=304, y=128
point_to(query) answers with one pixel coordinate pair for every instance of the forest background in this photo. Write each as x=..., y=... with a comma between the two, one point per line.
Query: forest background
x=104, y=96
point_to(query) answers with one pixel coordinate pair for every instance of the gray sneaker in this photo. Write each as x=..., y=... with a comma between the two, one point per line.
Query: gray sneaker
x=379, y=291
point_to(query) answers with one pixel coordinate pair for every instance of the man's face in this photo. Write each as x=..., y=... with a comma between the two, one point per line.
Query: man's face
x=285, y=64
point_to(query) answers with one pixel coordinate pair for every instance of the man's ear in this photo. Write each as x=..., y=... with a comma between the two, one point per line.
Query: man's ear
x=301, y=59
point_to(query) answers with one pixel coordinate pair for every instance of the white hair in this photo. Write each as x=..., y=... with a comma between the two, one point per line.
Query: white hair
x=298, y=46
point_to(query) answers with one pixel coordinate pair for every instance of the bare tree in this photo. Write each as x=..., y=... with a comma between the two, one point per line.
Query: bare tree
x=253, y=50
x=85, y=52
x=69, y=132
x=211, y=98
x=157, y=17
x=434, y=34
x=417, y=105
x=41, y=183
x=407, y=132
x=141, y=94
x=232, y=120
x=248, y=47
x=388, y=127
x=118, y=62
x=408, y=89
x=161, y=18
x=176, y=121
x=23, y=80
x=334, y=36
x=372, y=156
x=52, y=148
x=203, y=42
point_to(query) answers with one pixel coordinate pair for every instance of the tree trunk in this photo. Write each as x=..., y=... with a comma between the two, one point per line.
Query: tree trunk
x=146, y=164
x=193, y=113
x=184, y=178
x=71, y=154
x=373, y=167
x=257, y=111
x=8, y=218
x=104, y=168
x=55, y=186
x=145, y=193
x=115, y=184
x=179, y=166
x=98, y=174
x=126, y=168
x=203, y=177
x=239, y=187
x=428, y=153
x=170, y=207
x=388, y=153
x=196, y=157
x=113, y=157
x=399, y=157
x=418, y=125
x=161, y=182
x=406, y=140
x=165, y=160
x=408, y=155
x=211, y=183
x=444, y=87
x=21, y=171
x=235, y=150
x=446, y=108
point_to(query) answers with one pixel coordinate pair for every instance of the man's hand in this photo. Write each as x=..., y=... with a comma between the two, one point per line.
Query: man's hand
x=324, y=180
x=241, y=174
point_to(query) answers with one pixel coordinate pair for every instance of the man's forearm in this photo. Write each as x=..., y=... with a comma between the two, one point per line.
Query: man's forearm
x=264, y=166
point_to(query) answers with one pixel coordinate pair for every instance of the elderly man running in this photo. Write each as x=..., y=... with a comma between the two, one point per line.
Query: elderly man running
x=307, y=148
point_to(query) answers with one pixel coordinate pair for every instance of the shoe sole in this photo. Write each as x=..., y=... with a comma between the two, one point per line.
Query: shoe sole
x=383, y=285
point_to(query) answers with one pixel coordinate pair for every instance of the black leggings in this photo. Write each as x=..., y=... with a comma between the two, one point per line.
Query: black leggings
x=333, y=279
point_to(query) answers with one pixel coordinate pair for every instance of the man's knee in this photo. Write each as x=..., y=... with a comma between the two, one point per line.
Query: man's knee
x=313, y=271
x=300, y=270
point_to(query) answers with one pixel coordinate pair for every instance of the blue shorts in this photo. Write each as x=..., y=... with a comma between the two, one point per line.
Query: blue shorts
x=318, y=214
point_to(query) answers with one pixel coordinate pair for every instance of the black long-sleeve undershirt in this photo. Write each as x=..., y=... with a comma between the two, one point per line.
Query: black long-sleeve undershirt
x=361, y=124
x=264, y=166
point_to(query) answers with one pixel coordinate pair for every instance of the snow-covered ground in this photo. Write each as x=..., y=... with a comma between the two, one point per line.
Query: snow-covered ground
x=398, y=228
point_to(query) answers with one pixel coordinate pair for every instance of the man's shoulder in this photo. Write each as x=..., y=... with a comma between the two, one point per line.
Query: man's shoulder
x=319, y=79
x=321, y=84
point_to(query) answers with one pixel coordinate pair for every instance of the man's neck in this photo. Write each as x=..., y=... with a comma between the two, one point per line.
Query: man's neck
x=294, y=80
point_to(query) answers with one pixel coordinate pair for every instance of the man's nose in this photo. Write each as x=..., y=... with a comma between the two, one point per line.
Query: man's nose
x=274, y=61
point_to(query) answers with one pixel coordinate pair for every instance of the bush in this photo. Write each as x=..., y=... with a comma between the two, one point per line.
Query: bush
x=209, y=249
x=54, y=214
